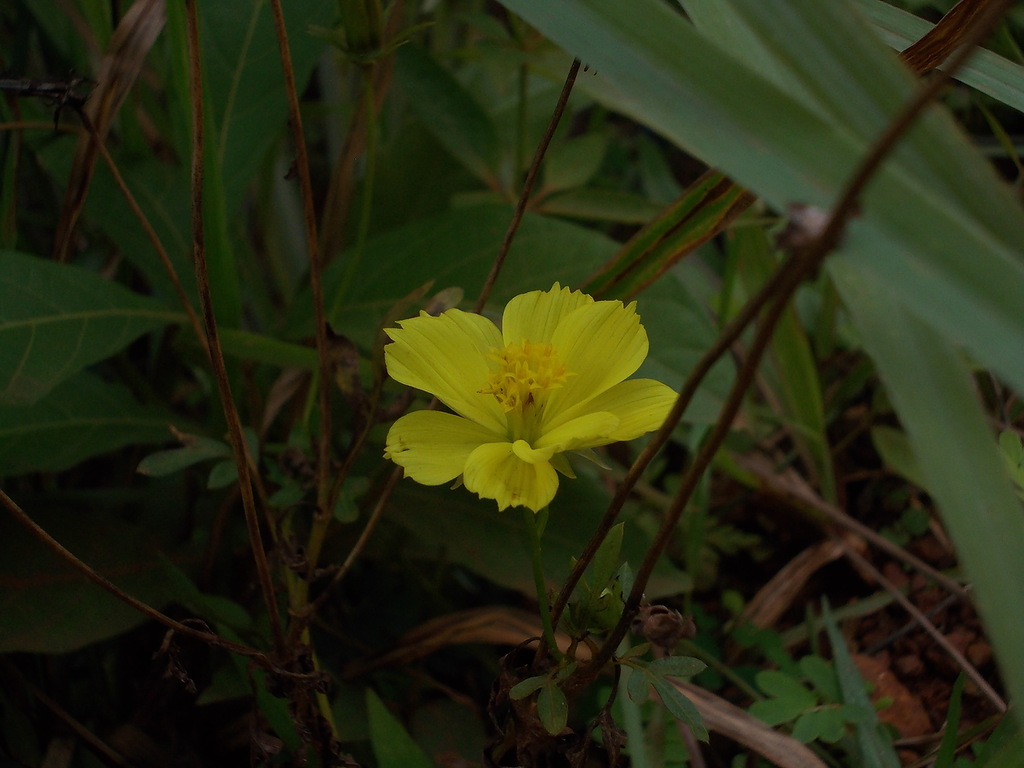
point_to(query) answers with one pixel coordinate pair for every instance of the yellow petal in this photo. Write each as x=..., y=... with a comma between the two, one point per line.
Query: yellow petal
x=534, y=316
x=640, y=406
x=585, y=431
x=600, y=344
x=432, y=446
x=493, y=471
x=449, y=357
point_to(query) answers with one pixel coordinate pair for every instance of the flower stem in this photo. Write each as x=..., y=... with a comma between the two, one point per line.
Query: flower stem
x=535, y=523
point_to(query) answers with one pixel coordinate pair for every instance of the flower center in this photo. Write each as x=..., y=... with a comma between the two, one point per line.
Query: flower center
x=525, y=373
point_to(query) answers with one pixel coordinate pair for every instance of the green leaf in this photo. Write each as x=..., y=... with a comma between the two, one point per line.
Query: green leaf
x=392, y=744
x=670, y=234
x=600, y=205
x=783, y=686
x=472, y=532
x=934, y=201
x=988, y=72
x=524, y=688
x=957, y=453
x=55, y=319
x=946, y=753
x=638, y=685
x=50, y=607
x=821, y=674
x=875, y=752
x=168, y=462
x=213, y=608
x=790, y=370
x=461, y=245
x=573, y=162
x=606, y=561
x=552, y=708
x=894, y=448
x=825, y=724
x=222, y=474
x=680, y=707
x=85, y=416
x=676, y=666
x=450, y=112
x=776, y=711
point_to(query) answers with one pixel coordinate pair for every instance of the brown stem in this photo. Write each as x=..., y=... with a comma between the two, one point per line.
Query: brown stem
x=154, y=239
x=722, y=345
x=528, y=184
x=67, y=556
x=234, y=423
x=315, y=265
x=922, y=620
x=804, y=262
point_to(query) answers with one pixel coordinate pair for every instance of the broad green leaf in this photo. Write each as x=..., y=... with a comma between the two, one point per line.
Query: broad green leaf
x=449, y=111
x=456, y=248
x=85, y=416
x=573, y=162
x=472, y=532
x=392, y=744
x=552, y=709
x=55, y=319
x=934, y=202
x=957, y=454
x=680, y=332
x=894, y=448
x=49, y=606
x=988, y=72
x=593, y=204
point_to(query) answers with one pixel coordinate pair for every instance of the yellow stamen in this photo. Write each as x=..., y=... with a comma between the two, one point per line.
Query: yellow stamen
x=525, y=373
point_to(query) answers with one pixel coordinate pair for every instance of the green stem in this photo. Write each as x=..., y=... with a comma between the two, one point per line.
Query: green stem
x=535, y=523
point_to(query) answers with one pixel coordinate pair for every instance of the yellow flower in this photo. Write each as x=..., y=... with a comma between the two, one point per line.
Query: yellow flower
x=552, y=380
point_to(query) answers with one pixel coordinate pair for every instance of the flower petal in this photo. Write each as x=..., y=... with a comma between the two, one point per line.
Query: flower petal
x=640, y=405
x=432, y=446
x=448, y=356
x=534, y=316
x=601, y=344
x=585, y=431
x=493, y=471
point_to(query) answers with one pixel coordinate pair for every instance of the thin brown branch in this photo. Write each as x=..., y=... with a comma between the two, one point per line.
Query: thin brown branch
x=528, y=184
x=722, y=345
x=234, y=423
x=103, y=749
x=84, y=568
x=926, y=625
x=154, y=239
x=804, y=262
x=315, y=266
